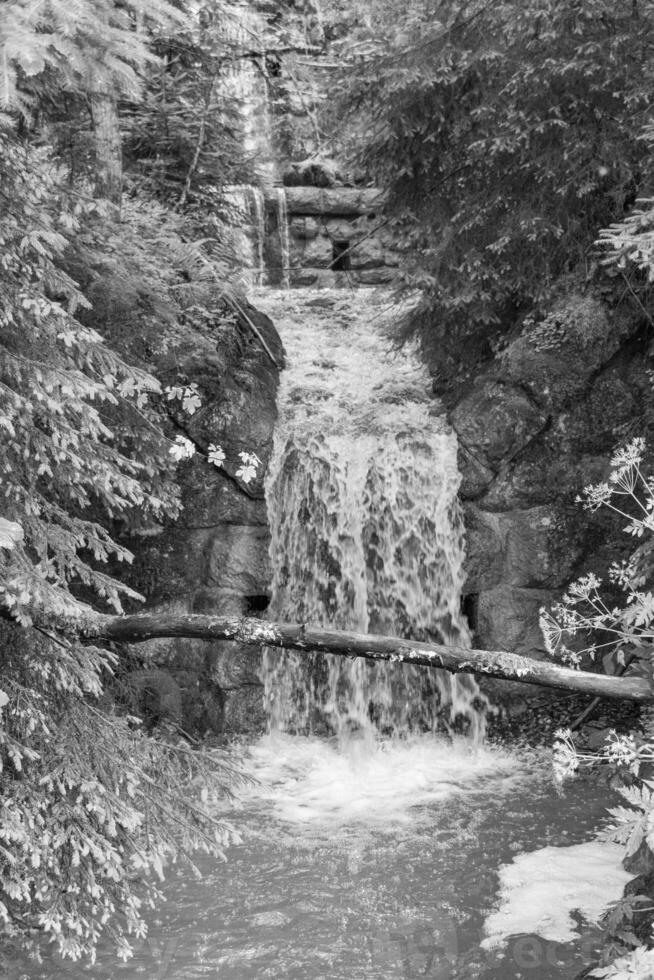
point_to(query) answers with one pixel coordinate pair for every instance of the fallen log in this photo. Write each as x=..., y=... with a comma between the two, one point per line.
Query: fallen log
x=307, y=639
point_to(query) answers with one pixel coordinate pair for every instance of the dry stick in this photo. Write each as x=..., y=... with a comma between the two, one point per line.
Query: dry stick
x=256, y=331
x=587, y=712
x=308, y=640
x=239, y=309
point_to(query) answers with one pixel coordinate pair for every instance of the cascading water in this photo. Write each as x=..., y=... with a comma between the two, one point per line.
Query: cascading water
x=366, y=530
x=248, y=222
x=244, y=83
x=284, y=243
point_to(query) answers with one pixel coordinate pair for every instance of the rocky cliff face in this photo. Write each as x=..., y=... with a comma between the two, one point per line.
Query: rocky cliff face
x=535, y=426
x=214, y=558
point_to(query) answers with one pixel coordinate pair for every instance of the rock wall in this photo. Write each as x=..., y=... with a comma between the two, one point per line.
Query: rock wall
x=535, y=426
x=337, y=236
x=214, y=558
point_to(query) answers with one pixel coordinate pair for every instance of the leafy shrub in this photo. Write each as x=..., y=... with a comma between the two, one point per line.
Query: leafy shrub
x=508, y=134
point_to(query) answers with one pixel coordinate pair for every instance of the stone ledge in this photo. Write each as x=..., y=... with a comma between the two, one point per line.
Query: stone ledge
x=341, y=201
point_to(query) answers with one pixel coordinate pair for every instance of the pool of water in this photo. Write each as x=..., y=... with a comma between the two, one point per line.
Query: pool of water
x=367, y=862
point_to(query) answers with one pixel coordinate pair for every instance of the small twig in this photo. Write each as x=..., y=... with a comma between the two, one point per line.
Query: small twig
x=198, y=146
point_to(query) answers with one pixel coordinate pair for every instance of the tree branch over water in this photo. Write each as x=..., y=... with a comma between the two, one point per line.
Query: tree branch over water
x=307, y=639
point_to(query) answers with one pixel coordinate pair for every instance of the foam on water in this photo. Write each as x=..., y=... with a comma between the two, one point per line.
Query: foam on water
x=541, y=889
x=320, y=783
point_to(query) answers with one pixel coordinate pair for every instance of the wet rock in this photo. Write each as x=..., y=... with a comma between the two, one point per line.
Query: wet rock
x=507, y=619
x=313, y=172
x=544, y=473
x=643, y=920
x=232, y=666
x=485, y=550
x=333, y=200
x=154, y=695
x=495, y=422
x=535, y=427
x=214, y=559
x=373, y=277
x=476, y=477
x=236, y=558
x=367, y=254
x=304, y=228
x=529, y=557
x=304, y=277
x=317, y=252
x=243, y=710
x=641, y=862
x=510, y=566
x=555, y=358
x=322, y=303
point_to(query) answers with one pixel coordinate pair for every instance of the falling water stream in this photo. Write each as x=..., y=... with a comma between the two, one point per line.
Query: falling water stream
x=377, y=823
x=365, y=524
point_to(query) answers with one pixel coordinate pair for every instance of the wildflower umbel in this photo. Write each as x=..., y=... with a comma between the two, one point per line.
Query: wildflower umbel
x=583, y=610
x=566, y=760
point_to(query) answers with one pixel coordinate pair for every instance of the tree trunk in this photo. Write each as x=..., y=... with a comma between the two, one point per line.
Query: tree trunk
x=108, y=147
x=294, y=636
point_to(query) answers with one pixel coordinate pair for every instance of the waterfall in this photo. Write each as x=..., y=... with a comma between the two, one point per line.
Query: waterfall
x=366, y=529
x=259, y=231
x=284, y=245
x=248, y=223
x=244, y=83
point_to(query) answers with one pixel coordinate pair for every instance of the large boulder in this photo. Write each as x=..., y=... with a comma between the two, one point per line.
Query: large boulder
x=536, y=424
x=367, y=253
x=313, y=172
x=507, y=619
x=495, y=421
x=514, y=547
x=555, y=358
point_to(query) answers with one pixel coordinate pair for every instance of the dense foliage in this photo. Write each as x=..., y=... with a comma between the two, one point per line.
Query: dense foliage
x=77, y=436
x=185, y=134
x=587, y=623
x=91, y=807
x=508, y=134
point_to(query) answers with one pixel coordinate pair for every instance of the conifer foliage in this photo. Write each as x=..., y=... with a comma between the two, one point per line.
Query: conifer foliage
x=91, y=808
x=77, y=45
x=77, y=439
x=508, y=134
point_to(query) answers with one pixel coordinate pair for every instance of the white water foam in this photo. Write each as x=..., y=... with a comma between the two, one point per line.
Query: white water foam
x=318, y=783
x=540, y=890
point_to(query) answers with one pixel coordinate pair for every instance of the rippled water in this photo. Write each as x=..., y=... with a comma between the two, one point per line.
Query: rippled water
x=377, y=865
